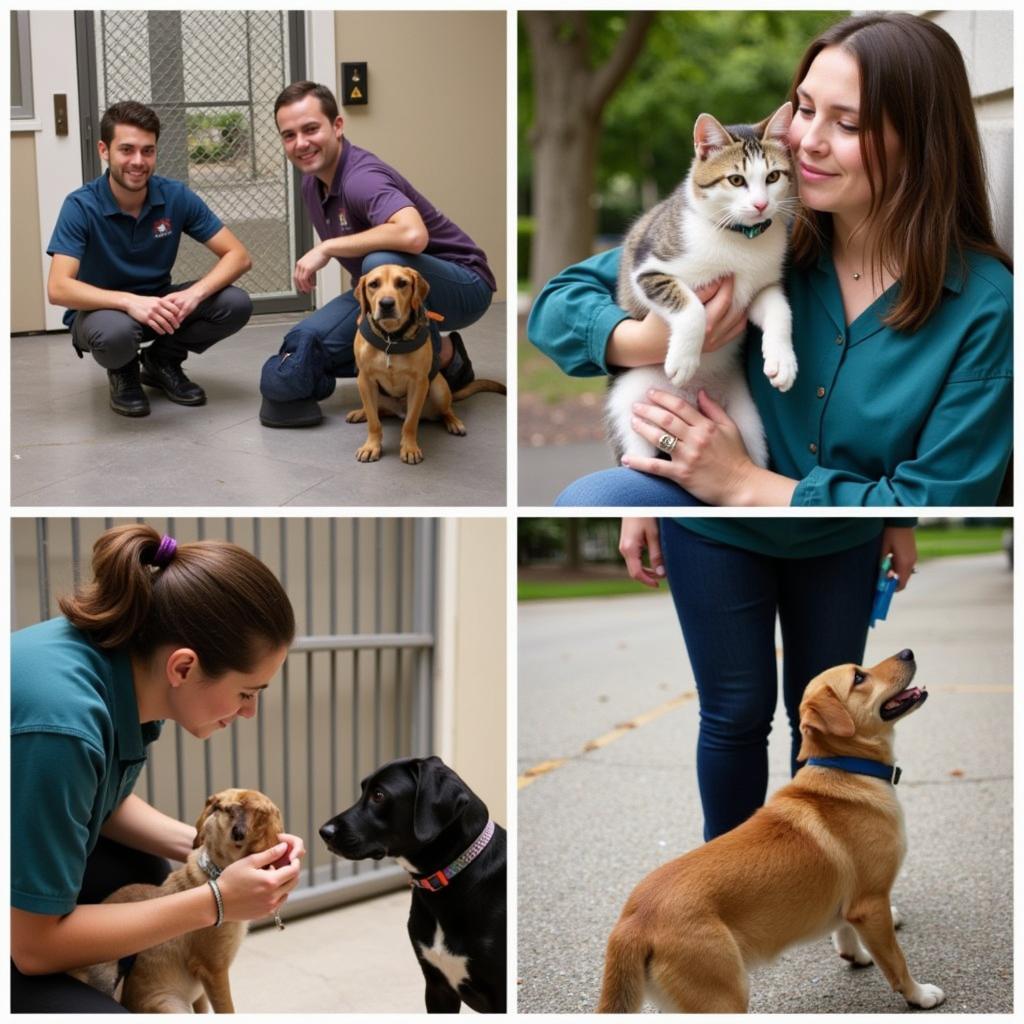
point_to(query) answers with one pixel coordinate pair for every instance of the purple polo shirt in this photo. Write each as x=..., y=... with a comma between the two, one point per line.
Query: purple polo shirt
x=366, y=192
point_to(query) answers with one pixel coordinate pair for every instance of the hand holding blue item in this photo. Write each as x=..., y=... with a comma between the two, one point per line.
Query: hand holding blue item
x=884, y=589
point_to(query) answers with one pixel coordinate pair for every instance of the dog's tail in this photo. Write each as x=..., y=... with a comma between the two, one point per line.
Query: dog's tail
x=477, y=386
x=625, y=969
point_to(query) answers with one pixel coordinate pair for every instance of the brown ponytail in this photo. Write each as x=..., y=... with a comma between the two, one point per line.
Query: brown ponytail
x=213, y=597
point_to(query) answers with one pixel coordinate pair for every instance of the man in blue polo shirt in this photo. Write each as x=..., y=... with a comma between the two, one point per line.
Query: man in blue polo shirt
x=113, y=249
x=367, y=215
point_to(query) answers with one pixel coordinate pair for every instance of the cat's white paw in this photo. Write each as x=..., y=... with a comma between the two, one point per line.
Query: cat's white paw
x=780, y=369
x=681, y=361
x=926, y=996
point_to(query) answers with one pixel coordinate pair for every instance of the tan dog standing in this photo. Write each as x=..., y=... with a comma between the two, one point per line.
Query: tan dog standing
x=821, y=856
x=179, y=975
x=397, y=368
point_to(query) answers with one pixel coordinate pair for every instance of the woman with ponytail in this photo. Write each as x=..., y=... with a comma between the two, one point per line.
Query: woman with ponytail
x=192, y=633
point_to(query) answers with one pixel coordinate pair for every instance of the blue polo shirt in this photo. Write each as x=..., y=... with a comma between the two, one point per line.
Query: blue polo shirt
x=124, y=253
x=77, y=749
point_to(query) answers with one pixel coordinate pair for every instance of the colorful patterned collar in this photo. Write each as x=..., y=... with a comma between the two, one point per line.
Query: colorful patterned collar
x=439, y=879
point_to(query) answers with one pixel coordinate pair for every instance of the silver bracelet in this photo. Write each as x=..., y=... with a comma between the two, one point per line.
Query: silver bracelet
x=212, y=883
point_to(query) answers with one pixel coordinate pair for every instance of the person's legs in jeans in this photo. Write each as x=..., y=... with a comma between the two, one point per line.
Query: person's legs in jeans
x=620, y=487
x=726, y=600
x=110, y=866
x=824, y=611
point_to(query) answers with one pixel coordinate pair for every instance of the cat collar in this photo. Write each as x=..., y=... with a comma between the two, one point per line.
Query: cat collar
x=439, y=879
x=752, y=230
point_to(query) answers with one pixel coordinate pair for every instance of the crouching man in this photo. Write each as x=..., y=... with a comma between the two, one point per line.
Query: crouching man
x=113, y=249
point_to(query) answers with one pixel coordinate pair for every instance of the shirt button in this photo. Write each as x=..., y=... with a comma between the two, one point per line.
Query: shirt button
x=812, y=448
x=820, y=392
x=839, y=339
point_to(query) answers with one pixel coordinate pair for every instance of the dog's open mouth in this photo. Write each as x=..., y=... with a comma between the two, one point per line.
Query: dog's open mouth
x=903, y=702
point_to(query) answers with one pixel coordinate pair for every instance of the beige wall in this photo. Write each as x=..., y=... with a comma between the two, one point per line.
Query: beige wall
x=26, y=278
x=437, y=110
x=478, y=659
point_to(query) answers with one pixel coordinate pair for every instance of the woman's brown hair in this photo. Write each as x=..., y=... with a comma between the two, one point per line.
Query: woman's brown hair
x=213, y=597
x=911, y=73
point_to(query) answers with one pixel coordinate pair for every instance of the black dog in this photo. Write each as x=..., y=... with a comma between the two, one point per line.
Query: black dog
x=419, y=811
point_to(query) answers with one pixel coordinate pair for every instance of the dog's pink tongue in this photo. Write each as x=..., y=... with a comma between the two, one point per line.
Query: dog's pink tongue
x=907, y=694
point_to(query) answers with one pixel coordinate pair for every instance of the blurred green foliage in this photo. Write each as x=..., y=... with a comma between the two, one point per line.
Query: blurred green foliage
x=737, y=65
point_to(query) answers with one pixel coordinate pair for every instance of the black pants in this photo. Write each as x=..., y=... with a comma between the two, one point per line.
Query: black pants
x=110, y=866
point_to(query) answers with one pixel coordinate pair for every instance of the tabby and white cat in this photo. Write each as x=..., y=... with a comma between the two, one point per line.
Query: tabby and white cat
x=729, y=216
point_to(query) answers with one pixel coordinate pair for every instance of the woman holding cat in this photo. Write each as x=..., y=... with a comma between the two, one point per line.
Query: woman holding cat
x=904, y=389
x=191, y=633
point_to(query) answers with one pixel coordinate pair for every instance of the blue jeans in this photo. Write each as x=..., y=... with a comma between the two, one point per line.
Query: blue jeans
x=457, y=293
x=623, y=488
x=727, y=600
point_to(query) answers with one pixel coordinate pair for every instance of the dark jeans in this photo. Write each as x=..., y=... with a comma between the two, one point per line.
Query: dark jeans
x=110, y=866
x=727, y=600
x=114, y=337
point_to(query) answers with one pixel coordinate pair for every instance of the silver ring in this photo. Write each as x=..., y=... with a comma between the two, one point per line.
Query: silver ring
x=667, y=442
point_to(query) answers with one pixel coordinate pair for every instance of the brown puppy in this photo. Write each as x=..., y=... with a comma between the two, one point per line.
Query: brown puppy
x=820, y=856
x=178, y=976
x=395, y=358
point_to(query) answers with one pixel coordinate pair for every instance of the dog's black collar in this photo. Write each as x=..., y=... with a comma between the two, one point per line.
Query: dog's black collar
x=393, y=342
x=439, y=879
x=860, y=766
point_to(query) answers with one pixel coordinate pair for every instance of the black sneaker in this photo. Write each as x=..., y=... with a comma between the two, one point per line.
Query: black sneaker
x=459, y=372
x=302, y=412
x=170, y=378
x=126, y=395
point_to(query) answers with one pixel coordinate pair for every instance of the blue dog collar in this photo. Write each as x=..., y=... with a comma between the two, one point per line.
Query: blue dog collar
x=860, y=766
x=439, y=879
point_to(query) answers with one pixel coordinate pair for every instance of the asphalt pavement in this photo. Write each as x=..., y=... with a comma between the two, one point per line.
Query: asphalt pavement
x=608, y=717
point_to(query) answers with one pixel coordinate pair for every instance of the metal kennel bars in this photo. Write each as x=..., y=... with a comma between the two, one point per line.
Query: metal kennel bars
x=356, y=689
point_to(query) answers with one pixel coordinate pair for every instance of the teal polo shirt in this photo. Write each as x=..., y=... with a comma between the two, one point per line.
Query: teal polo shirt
x=77, y=749
x=120, y=252
x=876, y=416
x=789, y=538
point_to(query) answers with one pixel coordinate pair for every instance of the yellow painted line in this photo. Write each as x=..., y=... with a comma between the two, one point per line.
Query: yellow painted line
x=545, y=767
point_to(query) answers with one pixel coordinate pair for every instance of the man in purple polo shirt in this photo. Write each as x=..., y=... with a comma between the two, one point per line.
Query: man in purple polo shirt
x=366, y=214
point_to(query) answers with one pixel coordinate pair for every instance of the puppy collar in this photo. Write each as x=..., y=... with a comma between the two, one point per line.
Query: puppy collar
x=439, y=879
x=393, y=343
x=753, y=230
x=208, y=866
x=860, y=766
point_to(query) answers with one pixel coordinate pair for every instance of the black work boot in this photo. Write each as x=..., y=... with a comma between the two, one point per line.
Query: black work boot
x=168, y=375
x=459, y=372
x=126, y=395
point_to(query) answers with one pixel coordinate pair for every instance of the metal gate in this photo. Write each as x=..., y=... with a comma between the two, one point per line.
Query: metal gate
x=212, y=77
x=355, y=691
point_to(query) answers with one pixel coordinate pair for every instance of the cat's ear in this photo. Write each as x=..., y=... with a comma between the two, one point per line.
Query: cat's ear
x=709, y=136
x=776, y=127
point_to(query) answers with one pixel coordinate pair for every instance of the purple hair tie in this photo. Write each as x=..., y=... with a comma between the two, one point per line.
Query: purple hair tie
x=165, y=552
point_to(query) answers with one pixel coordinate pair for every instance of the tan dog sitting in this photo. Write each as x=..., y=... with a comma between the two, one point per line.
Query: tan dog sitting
x=819, y=857
x=398, y=371
x=179, y=975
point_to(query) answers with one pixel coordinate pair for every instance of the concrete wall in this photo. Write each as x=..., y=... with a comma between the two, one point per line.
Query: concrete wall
x=437, y=110
x=27, y=298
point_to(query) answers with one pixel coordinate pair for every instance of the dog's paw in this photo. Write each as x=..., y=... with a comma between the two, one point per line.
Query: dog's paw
x=897, y=918
x=356, y=416
x=780, y=368
x=454, y=425
x=412, y=454
x=848, y=945
x=368, y=453
x=925, y=997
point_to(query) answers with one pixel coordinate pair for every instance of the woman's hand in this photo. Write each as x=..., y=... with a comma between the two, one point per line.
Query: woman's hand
x=724, y=324
x=636, y=537
x=254, y=887
x=900, y=543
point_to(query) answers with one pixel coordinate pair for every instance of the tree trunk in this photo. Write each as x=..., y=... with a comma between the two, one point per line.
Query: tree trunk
x=569, y=97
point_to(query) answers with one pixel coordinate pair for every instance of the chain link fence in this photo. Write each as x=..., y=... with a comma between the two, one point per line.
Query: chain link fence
x=212, y=77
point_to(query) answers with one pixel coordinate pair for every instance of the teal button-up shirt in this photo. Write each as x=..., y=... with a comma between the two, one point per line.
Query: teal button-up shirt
x=77, y=749
x=876, y=416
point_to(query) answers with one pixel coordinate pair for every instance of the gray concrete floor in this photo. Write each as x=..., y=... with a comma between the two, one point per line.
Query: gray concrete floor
x=356, y=959
x=545, y=472
x=69, y=448
x=590, y=829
